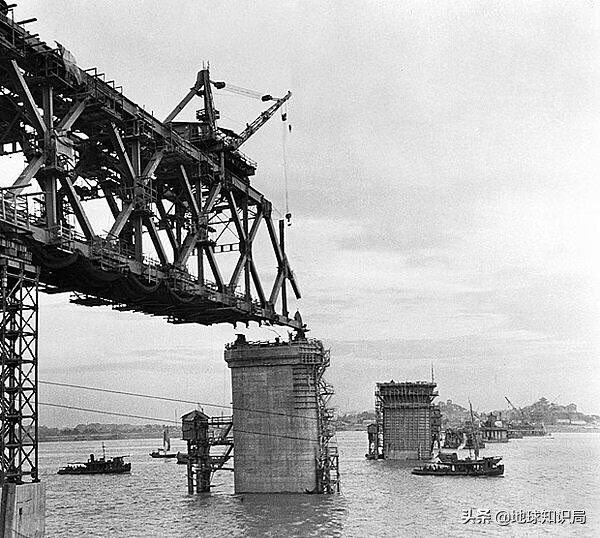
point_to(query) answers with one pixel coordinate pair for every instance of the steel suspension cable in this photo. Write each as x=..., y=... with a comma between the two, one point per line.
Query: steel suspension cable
x=176, y=400
x=168, y=421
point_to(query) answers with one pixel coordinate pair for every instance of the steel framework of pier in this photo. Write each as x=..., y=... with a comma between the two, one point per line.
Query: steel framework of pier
x=179, y=192
x=18, y=359
x=328, y=471
x=408, y=422
x=209, y=448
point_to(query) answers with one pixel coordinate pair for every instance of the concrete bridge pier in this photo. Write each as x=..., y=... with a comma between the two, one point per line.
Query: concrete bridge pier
x=280, y=422
x=22, y=510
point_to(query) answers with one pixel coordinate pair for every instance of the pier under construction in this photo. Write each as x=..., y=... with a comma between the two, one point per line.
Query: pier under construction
x=408, y=422
x=281, y=423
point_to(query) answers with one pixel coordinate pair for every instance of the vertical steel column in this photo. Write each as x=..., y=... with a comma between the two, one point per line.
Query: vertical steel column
x=199, y=249
x=247, y=250
x=18, y=359
x=138, y=195
x=49, y=181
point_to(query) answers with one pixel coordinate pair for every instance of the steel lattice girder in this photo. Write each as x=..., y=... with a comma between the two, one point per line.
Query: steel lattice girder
x=83, y=140
x=18, y=370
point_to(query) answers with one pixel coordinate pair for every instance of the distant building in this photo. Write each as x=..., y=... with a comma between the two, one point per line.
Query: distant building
x=493, y=431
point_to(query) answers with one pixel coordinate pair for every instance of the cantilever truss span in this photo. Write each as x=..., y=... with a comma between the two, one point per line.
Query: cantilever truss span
x=175, y=194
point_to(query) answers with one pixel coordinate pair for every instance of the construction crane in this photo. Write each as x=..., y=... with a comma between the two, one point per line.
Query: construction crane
x=208, y=115
x=202, y=88
x=518, y=410
x=236, y=141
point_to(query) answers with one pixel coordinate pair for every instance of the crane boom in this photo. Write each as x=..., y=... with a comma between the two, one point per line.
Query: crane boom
x=514, y=408
x=251, y=128
x=194, y=90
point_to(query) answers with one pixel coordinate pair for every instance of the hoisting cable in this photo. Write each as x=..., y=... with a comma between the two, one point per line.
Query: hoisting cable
x=286, y=128
x=245, y=92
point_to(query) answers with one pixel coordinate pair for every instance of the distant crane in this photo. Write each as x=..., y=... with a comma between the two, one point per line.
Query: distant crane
x=518, y=410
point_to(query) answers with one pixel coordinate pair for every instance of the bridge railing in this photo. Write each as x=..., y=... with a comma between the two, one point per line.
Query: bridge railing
x=67, y=237
x=15, y=208
x=111, y=254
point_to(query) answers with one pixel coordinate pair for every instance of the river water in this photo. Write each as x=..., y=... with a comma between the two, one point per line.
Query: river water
x=558, y=476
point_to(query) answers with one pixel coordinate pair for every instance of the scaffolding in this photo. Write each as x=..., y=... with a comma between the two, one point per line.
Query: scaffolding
x=18, y=356
x=328, y=475
x=317, y=359
x=408, y=422
x=203, y=435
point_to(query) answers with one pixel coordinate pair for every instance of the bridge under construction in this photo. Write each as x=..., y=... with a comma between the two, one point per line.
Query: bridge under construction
x=184, y=219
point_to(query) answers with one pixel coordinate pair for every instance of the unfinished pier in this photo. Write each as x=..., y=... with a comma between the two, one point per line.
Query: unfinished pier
x=281, y=423
x=408, y=422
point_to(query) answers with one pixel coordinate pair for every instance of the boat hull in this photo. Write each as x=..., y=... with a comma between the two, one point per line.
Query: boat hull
x=123, y=470
x=496, y=471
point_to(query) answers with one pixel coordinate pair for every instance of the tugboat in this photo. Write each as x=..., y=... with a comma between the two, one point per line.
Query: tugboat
x=102, y=465
x=164, y=451
x=451, y=465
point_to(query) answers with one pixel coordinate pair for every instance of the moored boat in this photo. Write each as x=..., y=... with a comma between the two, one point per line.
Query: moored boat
x=161, y=453
x=164, y=451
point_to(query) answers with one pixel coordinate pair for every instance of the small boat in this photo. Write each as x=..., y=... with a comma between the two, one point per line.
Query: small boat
x=164, y=451
x=115, y=465
x=451, y=465
x=182, y=458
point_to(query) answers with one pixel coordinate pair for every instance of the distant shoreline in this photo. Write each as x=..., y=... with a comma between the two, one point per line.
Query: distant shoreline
x=565, y=428
x=102, y=437
x=106, y=436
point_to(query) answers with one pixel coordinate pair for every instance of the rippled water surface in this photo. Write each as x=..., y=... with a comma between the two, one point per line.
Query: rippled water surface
x=379, y=498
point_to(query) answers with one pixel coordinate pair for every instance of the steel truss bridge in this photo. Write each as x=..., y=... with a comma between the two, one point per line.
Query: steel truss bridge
x=178, y=195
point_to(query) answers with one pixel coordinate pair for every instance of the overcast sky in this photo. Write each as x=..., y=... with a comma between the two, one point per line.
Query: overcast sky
x=443, y=178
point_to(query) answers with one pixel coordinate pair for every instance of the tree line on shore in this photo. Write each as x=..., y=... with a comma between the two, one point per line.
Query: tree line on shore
x=452, y=415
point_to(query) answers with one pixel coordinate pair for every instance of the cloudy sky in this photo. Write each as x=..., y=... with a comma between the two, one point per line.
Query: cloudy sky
x=443, y=178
